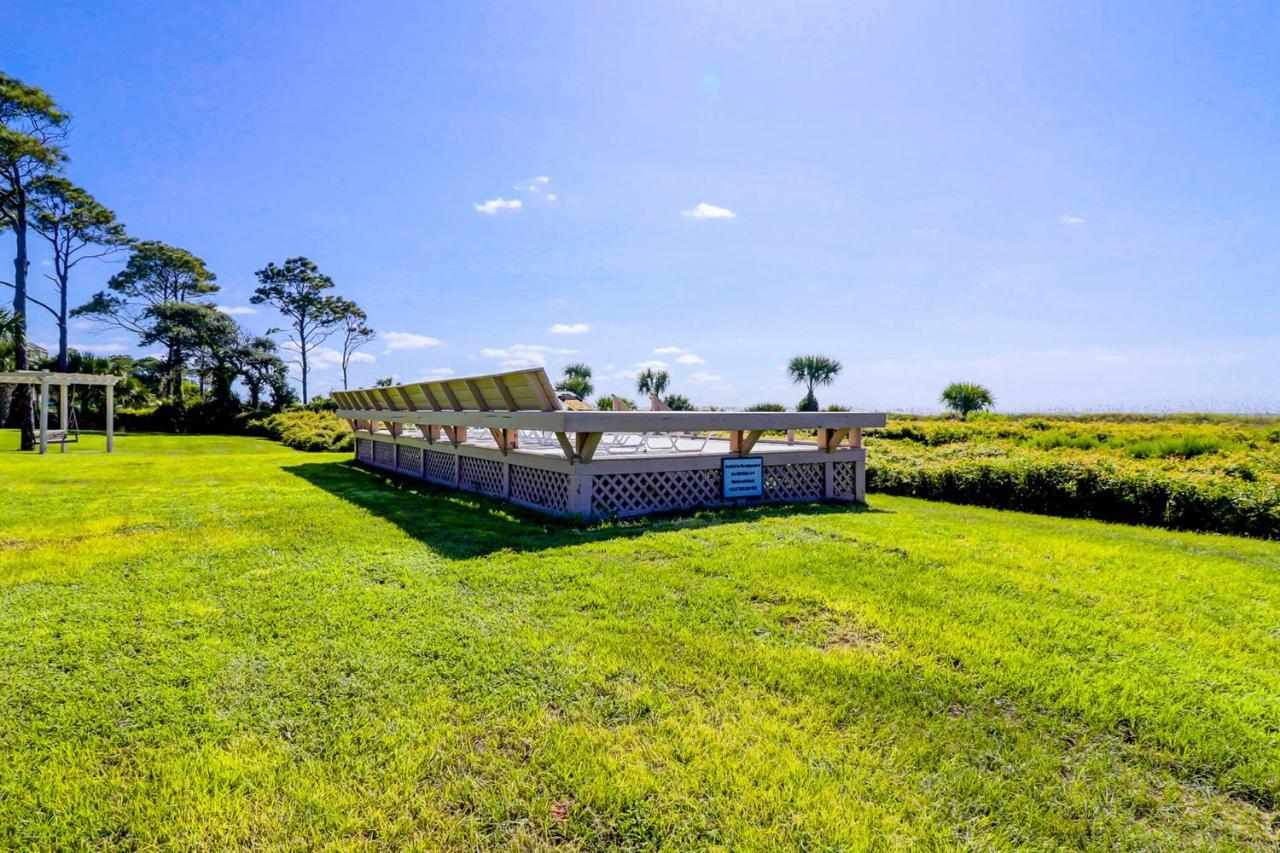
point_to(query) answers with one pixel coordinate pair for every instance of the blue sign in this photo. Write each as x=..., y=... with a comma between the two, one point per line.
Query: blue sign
x=742, y=477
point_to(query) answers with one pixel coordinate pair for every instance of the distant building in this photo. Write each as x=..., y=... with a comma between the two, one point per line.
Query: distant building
x=36, y=353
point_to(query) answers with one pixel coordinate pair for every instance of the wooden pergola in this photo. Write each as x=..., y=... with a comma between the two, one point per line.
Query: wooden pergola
x=507, y=435
x=43, y=379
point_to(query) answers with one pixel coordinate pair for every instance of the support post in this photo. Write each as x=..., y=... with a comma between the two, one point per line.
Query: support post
x=63, y=423
x=111, y=417
x=44, y=416
x=580, y=486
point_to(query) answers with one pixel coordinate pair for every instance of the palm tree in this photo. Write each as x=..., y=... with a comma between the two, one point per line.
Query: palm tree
x=8, y=325
x=652, y=381
x=966, y=397
x=812, y=371
x=576, y=380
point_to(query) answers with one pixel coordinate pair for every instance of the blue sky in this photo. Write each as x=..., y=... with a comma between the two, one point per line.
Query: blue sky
x=1076, y=204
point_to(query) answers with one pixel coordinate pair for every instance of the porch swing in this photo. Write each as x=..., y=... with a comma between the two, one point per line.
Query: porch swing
x=69, y=433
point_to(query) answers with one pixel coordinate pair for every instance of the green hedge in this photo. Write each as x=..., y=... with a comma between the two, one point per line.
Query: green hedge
x=1097, y=490
x=303, y=429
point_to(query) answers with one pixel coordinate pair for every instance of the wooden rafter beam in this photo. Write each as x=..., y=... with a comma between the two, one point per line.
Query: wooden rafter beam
x=508, y=398
x=476, y=394
x=431, y=398
x=452, y=397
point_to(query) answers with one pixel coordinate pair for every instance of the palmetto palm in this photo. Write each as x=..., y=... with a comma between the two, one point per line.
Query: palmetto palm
x=964, y=398
x=577, y=380
x=812, y=371
x=652, y=381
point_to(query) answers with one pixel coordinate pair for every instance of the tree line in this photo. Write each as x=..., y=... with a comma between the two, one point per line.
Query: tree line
x=160, y=296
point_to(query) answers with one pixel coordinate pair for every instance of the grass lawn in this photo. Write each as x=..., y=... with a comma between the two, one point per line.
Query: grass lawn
x=220, y=641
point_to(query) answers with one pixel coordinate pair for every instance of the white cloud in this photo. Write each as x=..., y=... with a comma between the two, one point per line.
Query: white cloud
x=669, y=350
x=523, y=355
x=320, y=358
x=1068, y=219
x=570, y=329
x=708, y=211
x=362, y=358
x=438, y=373
x=237, y=309
x=407, y=340
x=924, y=232
x=703, y=378
x=496, y=205
x=690, y=358
x=651, y=365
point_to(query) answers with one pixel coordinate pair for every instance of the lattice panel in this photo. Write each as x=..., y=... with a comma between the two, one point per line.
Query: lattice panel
x=548, y=489
x=654, y=491
x=384, y=454
x=410, y=459
x=438, y=467
x=844, y=478
x=480, y=475
x=364, y=450
x=789, y=482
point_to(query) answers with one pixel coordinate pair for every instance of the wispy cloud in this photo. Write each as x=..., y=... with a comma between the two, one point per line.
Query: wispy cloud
x=652, y=364
x=570, y=329
x=1068, y=219
x=497, y=205
x=703, y=378
x=683, y=356
x=523, y=355
x=537, y=186
x=702, y=210
x=237, y=309
x=358, y=357
x=438, y=373
x=924, y=232
x=407, y=340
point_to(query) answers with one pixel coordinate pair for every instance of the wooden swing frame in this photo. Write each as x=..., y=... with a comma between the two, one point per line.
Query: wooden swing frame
x=43, y=379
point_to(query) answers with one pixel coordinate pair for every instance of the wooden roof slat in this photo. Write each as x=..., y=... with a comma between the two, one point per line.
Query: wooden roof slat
x=514, y=391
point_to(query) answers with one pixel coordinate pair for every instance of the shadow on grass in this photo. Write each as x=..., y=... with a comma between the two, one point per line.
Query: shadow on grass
x=460, y=525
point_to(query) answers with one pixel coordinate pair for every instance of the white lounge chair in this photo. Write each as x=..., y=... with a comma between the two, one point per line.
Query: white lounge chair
x=656, y=404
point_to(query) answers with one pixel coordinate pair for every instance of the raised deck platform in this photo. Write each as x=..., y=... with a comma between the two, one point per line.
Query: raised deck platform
x=597, y=464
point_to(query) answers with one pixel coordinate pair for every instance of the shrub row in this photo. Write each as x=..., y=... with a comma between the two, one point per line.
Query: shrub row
x=303, y=429
x=1096, y=490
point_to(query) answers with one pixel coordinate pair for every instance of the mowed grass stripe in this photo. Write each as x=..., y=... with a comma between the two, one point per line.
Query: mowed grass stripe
x=219, y=641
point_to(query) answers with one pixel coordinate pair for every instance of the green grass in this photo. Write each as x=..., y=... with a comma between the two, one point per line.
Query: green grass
x=222, y=642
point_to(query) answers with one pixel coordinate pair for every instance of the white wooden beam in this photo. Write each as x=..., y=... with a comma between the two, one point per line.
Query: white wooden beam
x=111, y=418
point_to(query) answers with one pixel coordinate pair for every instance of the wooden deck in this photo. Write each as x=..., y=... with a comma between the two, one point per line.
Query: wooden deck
x=597, y=463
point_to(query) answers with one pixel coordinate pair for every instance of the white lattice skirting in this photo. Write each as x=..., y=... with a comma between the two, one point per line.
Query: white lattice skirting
x=610, y=489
